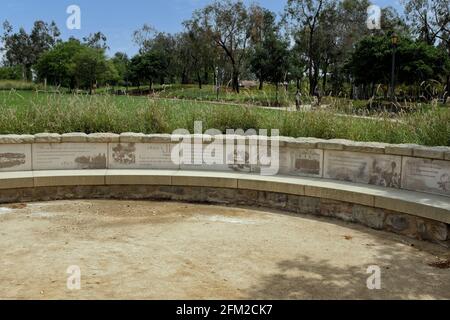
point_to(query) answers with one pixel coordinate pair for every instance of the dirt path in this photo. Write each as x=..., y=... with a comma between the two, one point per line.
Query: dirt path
x=155, y=250
x=304, y=108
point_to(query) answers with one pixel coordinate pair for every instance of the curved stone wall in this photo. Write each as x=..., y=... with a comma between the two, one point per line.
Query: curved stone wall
x=408, y=225
x=408, y=167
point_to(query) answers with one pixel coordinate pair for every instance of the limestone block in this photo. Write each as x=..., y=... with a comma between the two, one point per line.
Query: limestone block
x=15, y=180
x=274, y=184
x=401, y=149
x=131, y=137
x=15, y=157
x=307, y=143
x=418, y=204
x=272, y=162
x=204, y=179
x=77, y=137
x=157, y=138
x=430, y=152
x=368, y=147
x=215, y=156
x=333, y=144
x=103, y=137
x=139, y=177
x=304, y=162
x=69, y=156
x=447, y=155
x=69, y=178
x=141, y=156
x=352, y=196
x=374, y=169
x=426, y=175
x=16, y=139
x=47, y=138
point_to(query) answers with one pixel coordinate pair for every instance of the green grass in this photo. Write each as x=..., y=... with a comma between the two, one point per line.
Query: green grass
x=18, y=85
x=33, y=112
x=254, y=96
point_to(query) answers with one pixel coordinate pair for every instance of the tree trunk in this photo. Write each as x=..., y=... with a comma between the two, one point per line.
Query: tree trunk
x=324, y=83
x=312, y=85
x=24, y=73
x=199, y=79
x=205, y=77
x=235, y=80
x=276, y=93
x=261, y=83
x=448, y=86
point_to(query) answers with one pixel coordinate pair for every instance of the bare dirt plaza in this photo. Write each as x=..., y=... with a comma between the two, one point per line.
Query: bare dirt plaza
x=160, y=250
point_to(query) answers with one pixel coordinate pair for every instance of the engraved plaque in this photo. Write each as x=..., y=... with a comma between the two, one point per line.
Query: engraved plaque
x=426, y=175
x=69, y=156
x=306, y=162
x=15, y=157
x=380, y=170
x=141, y=156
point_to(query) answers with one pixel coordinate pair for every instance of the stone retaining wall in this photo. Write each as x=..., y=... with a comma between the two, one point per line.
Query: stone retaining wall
x=379, y=219
x=409, y=167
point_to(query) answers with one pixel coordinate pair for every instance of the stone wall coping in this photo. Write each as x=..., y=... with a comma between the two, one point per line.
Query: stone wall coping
x=103, y=137
x=47, y=138
x=408, y=150
x=16, y=139
x=74, y=137
x=423, y=205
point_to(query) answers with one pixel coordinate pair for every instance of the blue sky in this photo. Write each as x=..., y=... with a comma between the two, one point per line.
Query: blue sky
x=117, y=19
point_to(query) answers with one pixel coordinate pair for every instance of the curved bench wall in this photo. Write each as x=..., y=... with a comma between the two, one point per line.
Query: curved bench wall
x=416, y=215
x=408, y=167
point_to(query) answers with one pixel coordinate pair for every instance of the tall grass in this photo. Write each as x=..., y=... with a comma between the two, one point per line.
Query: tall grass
x=33, y=112
x=19, y=85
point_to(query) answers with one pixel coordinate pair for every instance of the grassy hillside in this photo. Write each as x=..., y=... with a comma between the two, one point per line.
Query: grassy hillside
x=33, y=112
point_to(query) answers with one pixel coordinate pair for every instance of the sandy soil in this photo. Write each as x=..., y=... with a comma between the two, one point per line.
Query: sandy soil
x=156, y=250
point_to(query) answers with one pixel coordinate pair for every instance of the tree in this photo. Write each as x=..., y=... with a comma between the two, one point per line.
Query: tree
x=183, y=57
x=90, y=67
x=57, y=65
x=270, y=55
x=271, y=60
x=297, y=65
x=227, y=24
x=96, y=40
x=304, y=16
x=263, y=34
x=10, y=73
x=370, y=64
x=197, y=44
x=148, y=67
x=144, y=36
x=121, y=63
x=25, y=49
x=429, y=19
x=161, y=44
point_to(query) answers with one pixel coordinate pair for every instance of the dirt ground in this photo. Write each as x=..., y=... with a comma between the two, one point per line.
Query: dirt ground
x=157, y=250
